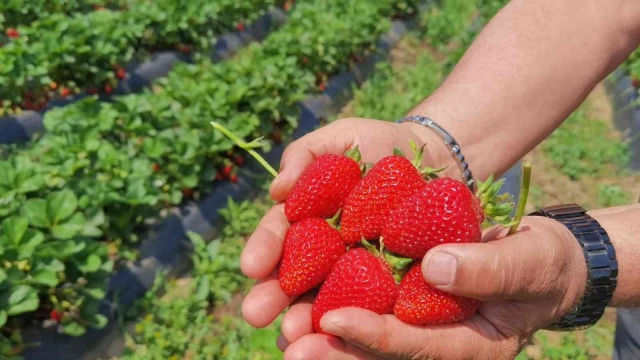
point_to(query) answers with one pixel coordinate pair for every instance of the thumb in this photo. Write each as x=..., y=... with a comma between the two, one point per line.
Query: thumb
x=524, y=266
x=302, y=152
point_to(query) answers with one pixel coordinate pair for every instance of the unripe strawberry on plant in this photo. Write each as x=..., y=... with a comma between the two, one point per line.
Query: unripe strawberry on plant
x=359, y=279
x=389, y=182
x=420, y=303
x=323, y=187
x=444, y=211
x=311, y=249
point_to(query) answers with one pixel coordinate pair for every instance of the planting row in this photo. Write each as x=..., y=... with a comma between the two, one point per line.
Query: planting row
x=62, y=55
x=103, y=172
x=16, y=13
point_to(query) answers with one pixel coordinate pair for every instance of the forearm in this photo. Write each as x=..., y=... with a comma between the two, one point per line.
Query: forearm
x=532, y=65
x=623, y=226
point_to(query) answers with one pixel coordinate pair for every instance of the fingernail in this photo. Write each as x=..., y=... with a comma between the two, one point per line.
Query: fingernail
x=440, y=269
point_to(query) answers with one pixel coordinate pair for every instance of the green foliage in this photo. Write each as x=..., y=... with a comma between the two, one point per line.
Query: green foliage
x=185, y=323
x=573, y=149
x=408, y=87
x=612, y=195
x=446, y=21
x=85, y=50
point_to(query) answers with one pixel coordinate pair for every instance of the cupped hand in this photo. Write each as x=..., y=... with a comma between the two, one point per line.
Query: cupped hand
x=527, y=280
x=259, y=260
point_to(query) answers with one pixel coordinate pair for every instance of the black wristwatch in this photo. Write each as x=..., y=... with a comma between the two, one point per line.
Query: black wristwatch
x=602, y=266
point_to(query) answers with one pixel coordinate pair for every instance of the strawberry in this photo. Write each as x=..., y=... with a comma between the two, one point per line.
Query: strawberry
x=311, y=249
x=187, y=192
x=121, y=73
x=108, y=89
x=322, y=87
x=92, y=91
x=443, y=211
x=155, y=167
x=386, y=185
x=64, y=92
x=238, y=160
x=55, y=316
x=635, y=82
x=219, y=176
x=359, y=279
x=233, y=178
x=240, y=27
x=12, y=33
x=420, y=303
x=226, y=171
x=323, y=187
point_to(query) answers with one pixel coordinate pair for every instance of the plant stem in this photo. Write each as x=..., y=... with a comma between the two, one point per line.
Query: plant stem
x=524, y=194
x=246, y=146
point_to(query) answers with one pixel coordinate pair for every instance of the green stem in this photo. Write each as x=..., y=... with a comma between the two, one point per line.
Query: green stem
x=246, y=146
x=524, y=194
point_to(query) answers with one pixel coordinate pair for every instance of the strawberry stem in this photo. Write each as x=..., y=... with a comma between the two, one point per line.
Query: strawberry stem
x=524, y=195
x=249, y=147
x=333, y=222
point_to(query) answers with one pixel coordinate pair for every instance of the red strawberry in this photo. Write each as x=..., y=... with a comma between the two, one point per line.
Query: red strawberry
x=55, y=316
x=226, y=171
x=155, y=167
x=323, y=187
x=233, y=178
x=420, y=303
x=238, y=160
x=108, y=89
x=240, y=27
x=311, y=249
x=219, y=176
x=121, y=73
x=64, y=92
x=443, y=211
x=359, y=279
x=187, y=192
x=92, y=91
x=12, y=33
x=635, y=82
x=322, y=87
x=386, y=185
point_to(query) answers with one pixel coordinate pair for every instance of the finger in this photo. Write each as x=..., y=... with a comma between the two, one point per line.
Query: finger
x=387, y=336
x=322, y=347
x=296, y=322
x=265, y=302
x=264, y=248
x=282, y=343
x=525, y=266
x=301, y=153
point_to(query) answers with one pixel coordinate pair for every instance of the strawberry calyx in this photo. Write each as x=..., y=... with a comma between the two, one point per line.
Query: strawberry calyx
x=355, y=155
x=427, y=172
x=398, y=265
x=495, y=208
x=334, y=221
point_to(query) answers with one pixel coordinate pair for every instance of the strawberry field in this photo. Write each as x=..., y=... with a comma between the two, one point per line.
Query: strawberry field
x=82, y=203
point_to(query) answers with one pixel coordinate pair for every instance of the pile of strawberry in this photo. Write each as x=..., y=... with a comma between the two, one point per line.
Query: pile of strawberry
x=358, y=233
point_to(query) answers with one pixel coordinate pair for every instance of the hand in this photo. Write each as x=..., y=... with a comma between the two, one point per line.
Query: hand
x=528, y=281
x=376, y=140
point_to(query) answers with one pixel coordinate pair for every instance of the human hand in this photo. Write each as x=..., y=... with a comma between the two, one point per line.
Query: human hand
x=528, y=281
x=376, y=139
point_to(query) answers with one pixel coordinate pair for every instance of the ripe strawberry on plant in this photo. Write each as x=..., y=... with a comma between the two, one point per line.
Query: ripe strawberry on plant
x=359, y=279
x=383, y=188
x=323, y=187
x=444, y=211
x=420, y=303
x=311, y=249
x=12, y=33
x=635, y=82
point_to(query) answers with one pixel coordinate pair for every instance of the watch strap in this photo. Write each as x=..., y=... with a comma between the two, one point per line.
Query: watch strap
x=602, y=266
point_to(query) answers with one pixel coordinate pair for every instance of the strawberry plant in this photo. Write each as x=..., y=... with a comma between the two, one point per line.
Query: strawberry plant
x=59, y=54
x=15, y=13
